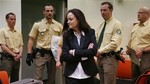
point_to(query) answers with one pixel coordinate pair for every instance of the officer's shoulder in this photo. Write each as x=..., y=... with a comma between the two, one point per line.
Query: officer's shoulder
x=3, y=29
x=57, y=23
x=117, y=21
x=135, y=23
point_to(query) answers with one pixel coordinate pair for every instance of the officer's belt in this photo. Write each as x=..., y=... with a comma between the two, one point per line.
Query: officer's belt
x=44, y=51
x=7, y=56
x=108, y=54
x=145, y=53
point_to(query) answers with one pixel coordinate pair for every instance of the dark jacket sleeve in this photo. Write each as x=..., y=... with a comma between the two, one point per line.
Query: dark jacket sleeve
x=66, y=56
x=88, y=52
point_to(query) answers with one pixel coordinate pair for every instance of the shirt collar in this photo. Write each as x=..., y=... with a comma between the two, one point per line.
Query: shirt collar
x=109, y=19
x=11, y=30
x=75, y=33
x=46, y=22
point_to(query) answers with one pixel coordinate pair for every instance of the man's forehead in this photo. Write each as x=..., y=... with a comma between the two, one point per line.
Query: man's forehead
x=49, y=8
x=105, y=6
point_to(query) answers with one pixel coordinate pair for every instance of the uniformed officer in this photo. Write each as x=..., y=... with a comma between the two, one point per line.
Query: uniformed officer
x=109, y=36
x=11, y=42
x=140, y=42
x=42, y=32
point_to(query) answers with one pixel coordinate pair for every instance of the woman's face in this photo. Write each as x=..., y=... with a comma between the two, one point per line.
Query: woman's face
x=72, y=21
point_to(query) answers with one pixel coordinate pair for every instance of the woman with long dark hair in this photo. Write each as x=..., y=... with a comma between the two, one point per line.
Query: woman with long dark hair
x=79, y=49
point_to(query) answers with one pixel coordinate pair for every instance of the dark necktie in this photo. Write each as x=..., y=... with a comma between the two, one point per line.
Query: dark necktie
x=101, y=35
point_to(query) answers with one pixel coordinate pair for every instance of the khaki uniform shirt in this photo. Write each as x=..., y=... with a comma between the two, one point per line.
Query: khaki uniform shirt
x=43, y=31
x=140, y=36
x=112, y=36
x=12, y=39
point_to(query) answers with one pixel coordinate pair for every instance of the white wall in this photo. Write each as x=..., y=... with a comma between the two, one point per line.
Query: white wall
x=124, y=10
x=90, y=8
x=7, y=6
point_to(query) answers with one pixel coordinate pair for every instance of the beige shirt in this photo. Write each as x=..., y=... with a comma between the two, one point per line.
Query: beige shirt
x=112, y=36
x=12, y=39
x=140, y=36
x=43, y=31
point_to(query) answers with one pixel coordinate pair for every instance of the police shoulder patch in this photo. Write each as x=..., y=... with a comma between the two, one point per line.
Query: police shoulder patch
x=118, y=31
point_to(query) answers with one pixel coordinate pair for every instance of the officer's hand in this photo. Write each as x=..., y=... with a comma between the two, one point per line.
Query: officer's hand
x=128, y=52
x=29, y=59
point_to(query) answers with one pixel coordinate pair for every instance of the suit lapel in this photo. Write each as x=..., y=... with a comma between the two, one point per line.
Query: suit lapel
x=82, y=40
x=75, y=42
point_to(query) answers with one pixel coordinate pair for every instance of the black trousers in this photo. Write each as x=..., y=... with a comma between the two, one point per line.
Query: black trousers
x=79, y=81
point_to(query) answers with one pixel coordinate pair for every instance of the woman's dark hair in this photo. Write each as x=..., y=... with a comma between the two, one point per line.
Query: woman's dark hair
x=83, y=25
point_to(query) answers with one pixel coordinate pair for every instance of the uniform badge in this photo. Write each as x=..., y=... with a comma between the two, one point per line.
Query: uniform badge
x=118, y=31
x=42, y=33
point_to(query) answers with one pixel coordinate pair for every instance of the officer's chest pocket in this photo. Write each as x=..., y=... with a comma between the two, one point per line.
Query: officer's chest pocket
x=8, y=38
x=107, y=35
x=17, y=39
x=145, y=34
x=56, y=31
x=42, y=32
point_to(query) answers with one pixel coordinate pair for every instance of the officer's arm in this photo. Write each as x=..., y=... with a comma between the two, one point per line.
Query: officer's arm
x=30, y=44
x=20, y=51
x=7, y=50
x=29, y=58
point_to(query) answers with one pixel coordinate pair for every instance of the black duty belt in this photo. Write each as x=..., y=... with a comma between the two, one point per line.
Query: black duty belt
x=43, y=50
x=108, y=54
x=6, y=55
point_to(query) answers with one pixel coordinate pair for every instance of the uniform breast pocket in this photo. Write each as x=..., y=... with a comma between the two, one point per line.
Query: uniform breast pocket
x=56, y=31
x=107, y=35
x=8, y=39
x=17, y=40
x=42, y=32
x=145, y=34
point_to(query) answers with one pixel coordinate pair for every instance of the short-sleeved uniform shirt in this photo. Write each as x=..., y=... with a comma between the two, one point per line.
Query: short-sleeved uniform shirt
x=140, y=35
x=12, y=39
x=42, y=31
x=112, y=35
